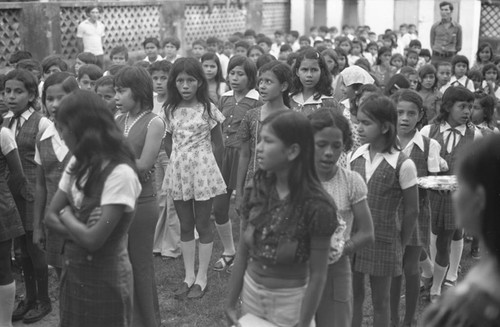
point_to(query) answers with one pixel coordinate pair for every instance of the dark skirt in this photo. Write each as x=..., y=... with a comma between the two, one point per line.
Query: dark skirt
x=140, y=247
x=96, y=290
x=382, y=258
x=441, y=211
x=229, y=169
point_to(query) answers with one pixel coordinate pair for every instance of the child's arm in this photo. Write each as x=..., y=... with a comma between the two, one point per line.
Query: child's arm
x=363, y=221
x=236, y=282
x=364, y=234
x=241, y=174
x=17, y=181
x=318, y=266
x=92, y=238
x=408, y=182
x=240, y=266
x=410, y=202
x=39, y=208
x=59, y=201
x=217, y=143
x=156, y=130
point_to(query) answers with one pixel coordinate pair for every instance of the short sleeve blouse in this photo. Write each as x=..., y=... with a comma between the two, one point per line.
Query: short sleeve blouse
x=121, y=187
x=275, y=222
x=7, y=141
x=347, y=188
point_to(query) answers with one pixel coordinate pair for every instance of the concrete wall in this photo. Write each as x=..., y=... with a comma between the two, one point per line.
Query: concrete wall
x=301, y=15
x=379, y=15
x=469, y=18
x=334, y=13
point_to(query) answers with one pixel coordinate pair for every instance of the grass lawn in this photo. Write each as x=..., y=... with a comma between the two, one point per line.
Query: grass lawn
x=208, y=311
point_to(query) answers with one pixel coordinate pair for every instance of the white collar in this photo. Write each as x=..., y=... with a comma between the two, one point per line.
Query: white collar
x=49, y=132
x=158, y=58
x=364, y=151
x=445, y=127
x=418, y=140
x=252, y=94
x=461, y=80
x=26, y=114
x=299, y=98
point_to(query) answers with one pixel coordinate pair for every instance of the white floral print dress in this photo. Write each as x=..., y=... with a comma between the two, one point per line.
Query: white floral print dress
x=193, y=172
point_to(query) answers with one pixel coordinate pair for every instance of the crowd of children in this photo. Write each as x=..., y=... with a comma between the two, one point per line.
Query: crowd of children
x=322, y=138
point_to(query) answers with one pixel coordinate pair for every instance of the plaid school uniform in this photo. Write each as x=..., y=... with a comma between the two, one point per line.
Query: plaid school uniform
x=26, y=141
x=441, y=204
x=96, y=287
x=385, y=256
x=234, y=112
x=421, y=233
x=52, y=170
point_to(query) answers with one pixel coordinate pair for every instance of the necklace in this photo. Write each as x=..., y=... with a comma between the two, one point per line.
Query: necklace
x=129, y=127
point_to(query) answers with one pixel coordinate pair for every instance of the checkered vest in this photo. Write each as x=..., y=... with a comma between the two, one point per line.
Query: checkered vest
x=384, y=196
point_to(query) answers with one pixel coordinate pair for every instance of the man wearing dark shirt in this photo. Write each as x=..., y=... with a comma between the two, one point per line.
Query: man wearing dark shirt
x=446, y=35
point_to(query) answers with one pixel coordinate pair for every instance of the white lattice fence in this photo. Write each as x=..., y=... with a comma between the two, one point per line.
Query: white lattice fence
x=221, y=22
x=125, y=25
x=490, y=20
x=10, y=36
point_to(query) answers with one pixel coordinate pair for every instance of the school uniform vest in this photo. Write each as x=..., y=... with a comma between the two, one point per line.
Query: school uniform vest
x=442, y=204
x=385, y=256
x=101, y=279
x=450, y=158
x=421, y=232
x=26, y=142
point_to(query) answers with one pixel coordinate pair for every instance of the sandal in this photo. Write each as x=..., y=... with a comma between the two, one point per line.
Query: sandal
x=224, y=262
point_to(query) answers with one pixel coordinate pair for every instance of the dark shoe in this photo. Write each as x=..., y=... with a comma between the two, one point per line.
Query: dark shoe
x=38, y=312
x=22, y=308
x=182, y=291
x=196, y=292
x=425, y=284
x=475, y=253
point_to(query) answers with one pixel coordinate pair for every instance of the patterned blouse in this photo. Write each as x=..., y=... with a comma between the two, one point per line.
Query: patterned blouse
x=284, y=233
x=249, y=132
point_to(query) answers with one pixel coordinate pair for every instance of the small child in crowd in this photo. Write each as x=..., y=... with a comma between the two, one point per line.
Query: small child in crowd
x=87, y=76
x=460, y=68
x=105, y=88
x=119, y=55
x=152, y=47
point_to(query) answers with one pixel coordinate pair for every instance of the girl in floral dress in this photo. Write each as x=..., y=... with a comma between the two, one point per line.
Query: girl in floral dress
x=273, y=85
x=193, y=125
